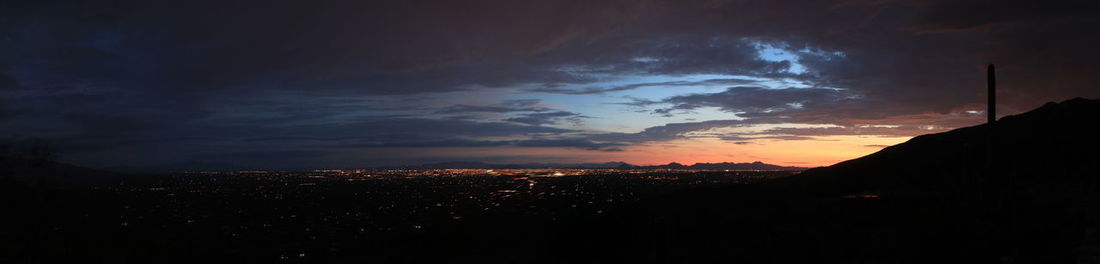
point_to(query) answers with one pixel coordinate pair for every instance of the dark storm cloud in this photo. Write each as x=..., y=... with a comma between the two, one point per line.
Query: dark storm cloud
x=545, y=118
x=812, y=133
x=602, y=90
x=567, y=143
x=668, y=131
x=140, y=78
x=908, y=130
x=508, y=106
x=524, y=111
x=742, y=138
x=373, y=47
x=399, y=128
x=753, y=101
x=954, y=16
x=456, y=109
x=573, y=143
x=8, y=82
x=380, y=47
x=674, y=54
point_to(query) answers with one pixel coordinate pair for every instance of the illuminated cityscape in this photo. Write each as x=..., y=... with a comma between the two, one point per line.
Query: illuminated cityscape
x=291, y=215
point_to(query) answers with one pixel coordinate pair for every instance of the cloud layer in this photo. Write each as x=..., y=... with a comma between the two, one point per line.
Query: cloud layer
x=348, y=83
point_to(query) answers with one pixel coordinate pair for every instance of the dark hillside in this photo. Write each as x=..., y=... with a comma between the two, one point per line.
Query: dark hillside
x=931, y=199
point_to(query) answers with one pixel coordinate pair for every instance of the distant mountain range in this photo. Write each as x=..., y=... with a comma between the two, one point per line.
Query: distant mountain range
x=54, y=173
x=607, y=165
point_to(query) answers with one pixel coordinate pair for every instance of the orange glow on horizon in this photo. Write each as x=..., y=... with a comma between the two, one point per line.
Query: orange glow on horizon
x=820, y=151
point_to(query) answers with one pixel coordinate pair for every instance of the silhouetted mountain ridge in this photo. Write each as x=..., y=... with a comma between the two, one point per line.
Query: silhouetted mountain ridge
x=1054, y=143
x=935, y=197
x=53, y=173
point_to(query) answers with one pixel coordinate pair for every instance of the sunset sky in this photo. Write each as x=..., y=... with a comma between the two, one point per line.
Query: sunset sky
x=315, y=84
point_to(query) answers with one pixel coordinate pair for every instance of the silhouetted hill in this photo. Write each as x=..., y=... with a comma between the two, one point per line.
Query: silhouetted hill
x=186, y=166
x=1056, y=143
x=53, y=173
x=934, y=198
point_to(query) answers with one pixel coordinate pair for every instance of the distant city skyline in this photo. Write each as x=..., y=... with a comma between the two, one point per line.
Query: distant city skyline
x=367, y=84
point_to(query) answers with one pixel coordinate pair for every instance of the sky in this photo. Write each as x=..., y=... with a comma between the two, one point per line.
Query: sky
x=327, y=84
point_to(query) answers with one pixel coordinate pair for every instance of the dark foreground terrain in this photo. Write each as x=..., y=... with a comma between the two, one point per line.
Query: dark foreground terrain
x=1029, y=197
x=331, y=216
